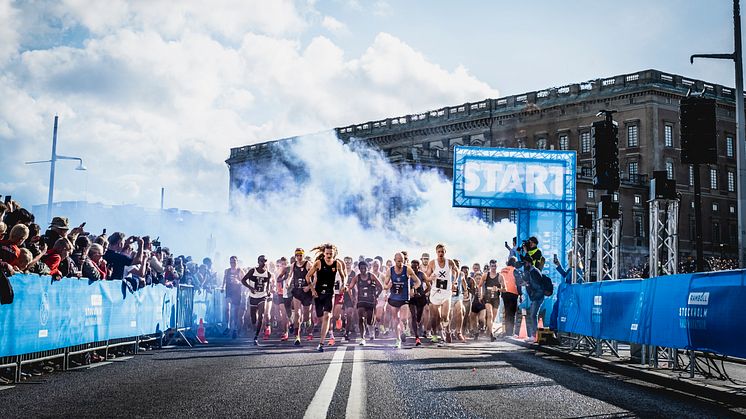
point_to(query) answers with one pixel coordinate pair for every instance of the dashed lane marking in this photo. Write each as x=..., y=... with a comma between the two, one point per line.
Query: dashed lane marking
x=356, y=399
x=320, y=404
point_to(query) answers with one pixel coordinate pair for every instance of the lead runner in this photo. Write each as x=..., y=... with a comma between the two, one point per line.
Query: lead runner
x=326, y=267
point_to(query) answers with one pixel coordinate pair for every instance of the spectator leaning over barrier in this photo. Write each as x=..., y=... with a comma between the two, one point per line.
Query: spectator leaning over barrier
x=54, y=257
x=23, y=261
x=117, y=256
x=59, y=228
x=94, y=266
x=532, y=281
x=157, y=270
x=80, y=251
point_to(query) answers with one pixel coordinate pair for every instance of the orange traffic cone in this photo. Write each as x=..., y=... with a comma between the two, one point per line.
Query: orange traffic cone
x=541, y=323
x=523, y=334
x=339, y=324
x=201, y=332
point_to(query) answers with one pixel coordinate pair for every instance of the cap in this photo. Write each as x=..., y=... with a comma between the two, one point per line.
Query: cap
x=60, y=222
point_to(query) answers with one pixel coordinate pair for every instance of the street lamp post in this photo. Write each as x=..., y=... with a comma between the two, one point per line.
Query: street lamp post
x=53, y=162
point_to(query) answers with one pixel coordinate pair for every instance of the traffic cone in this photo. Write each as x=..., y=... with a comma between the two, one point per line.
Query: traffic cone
x=523, y=334
x=339, y=324
x=201, y=332
x=541, y=323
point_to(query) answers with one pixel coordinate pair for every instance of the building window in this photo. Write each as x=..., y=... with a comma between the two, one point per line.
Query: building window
x=691, y=175
x=731, y=181
x=639, y=226
x=715, y=207
x=669, y=169
x=591, y=194
x=729, y=149
x=585, y=142
x=733, y=235
x=632, y=169
x=586, y=171
x=564, y=142
x=715, y=232
x=638, y=199
x=668, y=135
x=632, y=140
x=713, y=178
x=732, y=209
x=541, y=144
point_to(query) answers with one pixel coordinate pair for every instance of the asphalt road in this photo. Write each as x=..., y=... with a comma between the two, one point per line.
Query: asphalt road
x=277, y=380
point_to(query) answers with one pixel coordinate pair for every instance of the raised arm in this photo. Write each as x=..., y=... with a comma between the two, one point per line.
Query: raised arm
x=411, y=274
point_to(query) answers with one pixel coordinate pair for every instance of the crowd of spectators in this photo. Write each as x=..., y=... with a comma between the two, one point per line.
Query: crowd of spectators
x=65, y=252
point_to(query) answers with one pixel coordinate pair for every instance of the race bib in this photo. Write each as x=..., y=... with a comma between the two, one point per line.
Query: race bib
x=441, y=284
x=259, y=286
x=398, y=289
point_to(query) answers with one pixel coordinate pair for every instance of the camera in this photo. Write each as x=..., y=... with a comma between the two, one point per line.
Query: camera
x=156, y=242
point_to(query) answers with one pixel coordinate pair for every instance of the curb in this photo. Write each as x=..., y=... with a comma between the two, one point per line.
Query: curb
x=709, y=391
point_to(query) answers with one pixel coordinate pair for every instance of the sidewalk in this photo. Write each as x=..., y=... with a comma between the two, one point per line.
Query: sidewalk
x=717, y=379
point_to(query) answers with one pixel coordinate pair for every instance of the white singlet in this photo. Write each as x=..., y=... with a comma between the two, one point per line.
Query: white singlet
x=260, y=283
x=441, y=288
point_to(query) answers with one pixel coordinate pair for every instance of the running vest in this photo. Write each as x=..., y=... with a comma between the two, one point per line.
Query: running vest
x=443, y=279
x=338, y=283
x=260, y=281
x=366, y=290
x=233, y=285
x=492, y=285
x=299, y=276
x=399, y=285
x=509, y=278
x=420, y=291
x=326, y=277
x=282, y=286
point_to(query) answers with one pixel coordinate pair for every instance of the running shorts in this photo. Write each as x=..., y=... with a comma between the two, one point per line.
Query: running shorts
x=305, y=298
x=396, y=303
x=323, y=304
x=256, y=301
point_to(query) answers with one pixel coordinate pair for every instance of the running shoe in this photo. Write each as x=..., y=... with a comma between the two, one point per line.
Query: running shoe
x=362, y=342
x=297, y=341
x=309, y=337
x=332, y=341
x=256, y=342
x=284, y=337
x=417, y=342
x=493, y=338
x=434, y=339
x=461, y=337
x=397, y=344
x=267, y=333
x=320, y=348
x=448, y=338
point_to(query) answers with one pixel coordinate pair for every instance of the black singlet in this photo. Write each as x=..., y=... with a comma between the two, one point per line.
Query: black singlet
x=325, y=277
x=366, y=289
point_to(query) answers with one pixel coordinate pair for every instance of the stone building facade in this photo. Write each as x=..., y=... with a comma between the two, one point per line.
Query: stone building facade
x=560, y=118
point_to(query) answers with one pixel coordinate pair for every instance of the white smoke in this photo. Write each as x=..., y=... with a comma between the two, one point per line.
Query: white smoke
x=318, y=208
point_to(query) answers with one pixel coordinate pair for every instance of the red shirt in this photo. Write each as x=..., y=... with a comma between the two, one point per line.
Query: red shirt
x=53, y=261
x=9, y=252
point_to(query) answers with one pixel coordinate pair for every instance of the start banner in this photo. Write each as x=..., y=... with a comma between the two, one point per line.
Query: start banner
x=698, y=311
x=50, y=314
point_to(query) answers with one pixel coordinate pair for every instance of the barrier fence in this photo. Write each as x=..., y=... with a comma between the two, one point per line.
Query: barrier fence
x=698, y=312
x=53, y=319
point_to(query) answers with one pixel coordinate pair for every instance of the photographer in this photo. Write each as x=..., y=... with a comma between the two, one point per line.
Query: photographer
x=530, y=249
x=94, y=266
x=117, y=258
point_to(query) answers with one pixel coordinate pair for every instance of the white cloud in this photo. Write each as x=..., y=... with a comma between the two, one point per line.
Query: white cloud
x=155, y=99
x=8, y=31
x=333, y=25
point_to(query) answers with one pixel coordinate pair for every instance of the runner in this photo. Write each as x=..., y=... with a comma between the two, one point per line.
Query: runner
x=339, y=293
x=326, y=268
x=302, y=297
x=368, y=287
x=381, y=301
x=348, y=307
x=400, y=279
x=233, y=296
x=477, y=313
x=441, y=272
x=492, y=281
x=510, y=293
x=418, y=301
x=459, y=296
x=427, y=324
x=257, y=281
x=282, y=303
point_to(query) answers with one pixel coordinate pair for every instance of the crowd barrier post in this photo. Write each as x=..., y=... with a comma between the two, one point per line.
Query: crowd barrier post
x=184, y=313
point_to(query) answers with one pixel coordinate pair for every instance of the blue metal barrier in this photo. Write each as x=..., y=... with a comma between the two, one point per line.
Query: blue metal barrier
x=48, y=315
x=698, y=311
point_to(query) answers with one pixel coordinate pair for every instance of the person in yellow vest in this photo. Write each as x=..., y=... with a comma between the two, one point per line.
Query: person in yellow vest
x=531, y=250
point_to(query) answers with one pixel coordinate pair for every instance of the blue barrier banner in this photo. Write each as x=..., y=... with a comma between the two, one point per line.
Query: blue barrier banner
x=687, y=311
x=56, y=314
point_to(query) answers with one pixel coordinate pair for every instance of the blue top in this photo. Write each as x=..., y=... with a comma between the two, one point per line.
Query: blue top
x=567, y=274
x=399, y=285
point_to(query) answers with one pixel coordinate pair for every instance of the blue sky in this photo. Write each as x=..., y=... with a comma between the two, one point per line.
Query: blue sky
x=154, y=93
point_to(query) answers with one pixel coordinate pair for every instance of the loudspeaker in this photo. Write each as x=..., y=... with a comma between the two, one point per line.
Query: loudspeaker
x=698, y=131
x=605, y=156
x=608, y=208
x=585, y=220
x=661, y=187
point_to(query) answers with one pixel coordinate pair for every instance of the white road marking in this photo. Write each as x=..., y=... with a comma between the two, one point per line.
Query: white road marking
x=322, y=399
x=6, y=387
x=356, y=399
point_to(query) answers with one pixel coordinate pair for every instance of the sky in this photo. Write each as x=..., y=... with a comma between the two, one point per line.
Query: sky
x=154, y=93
